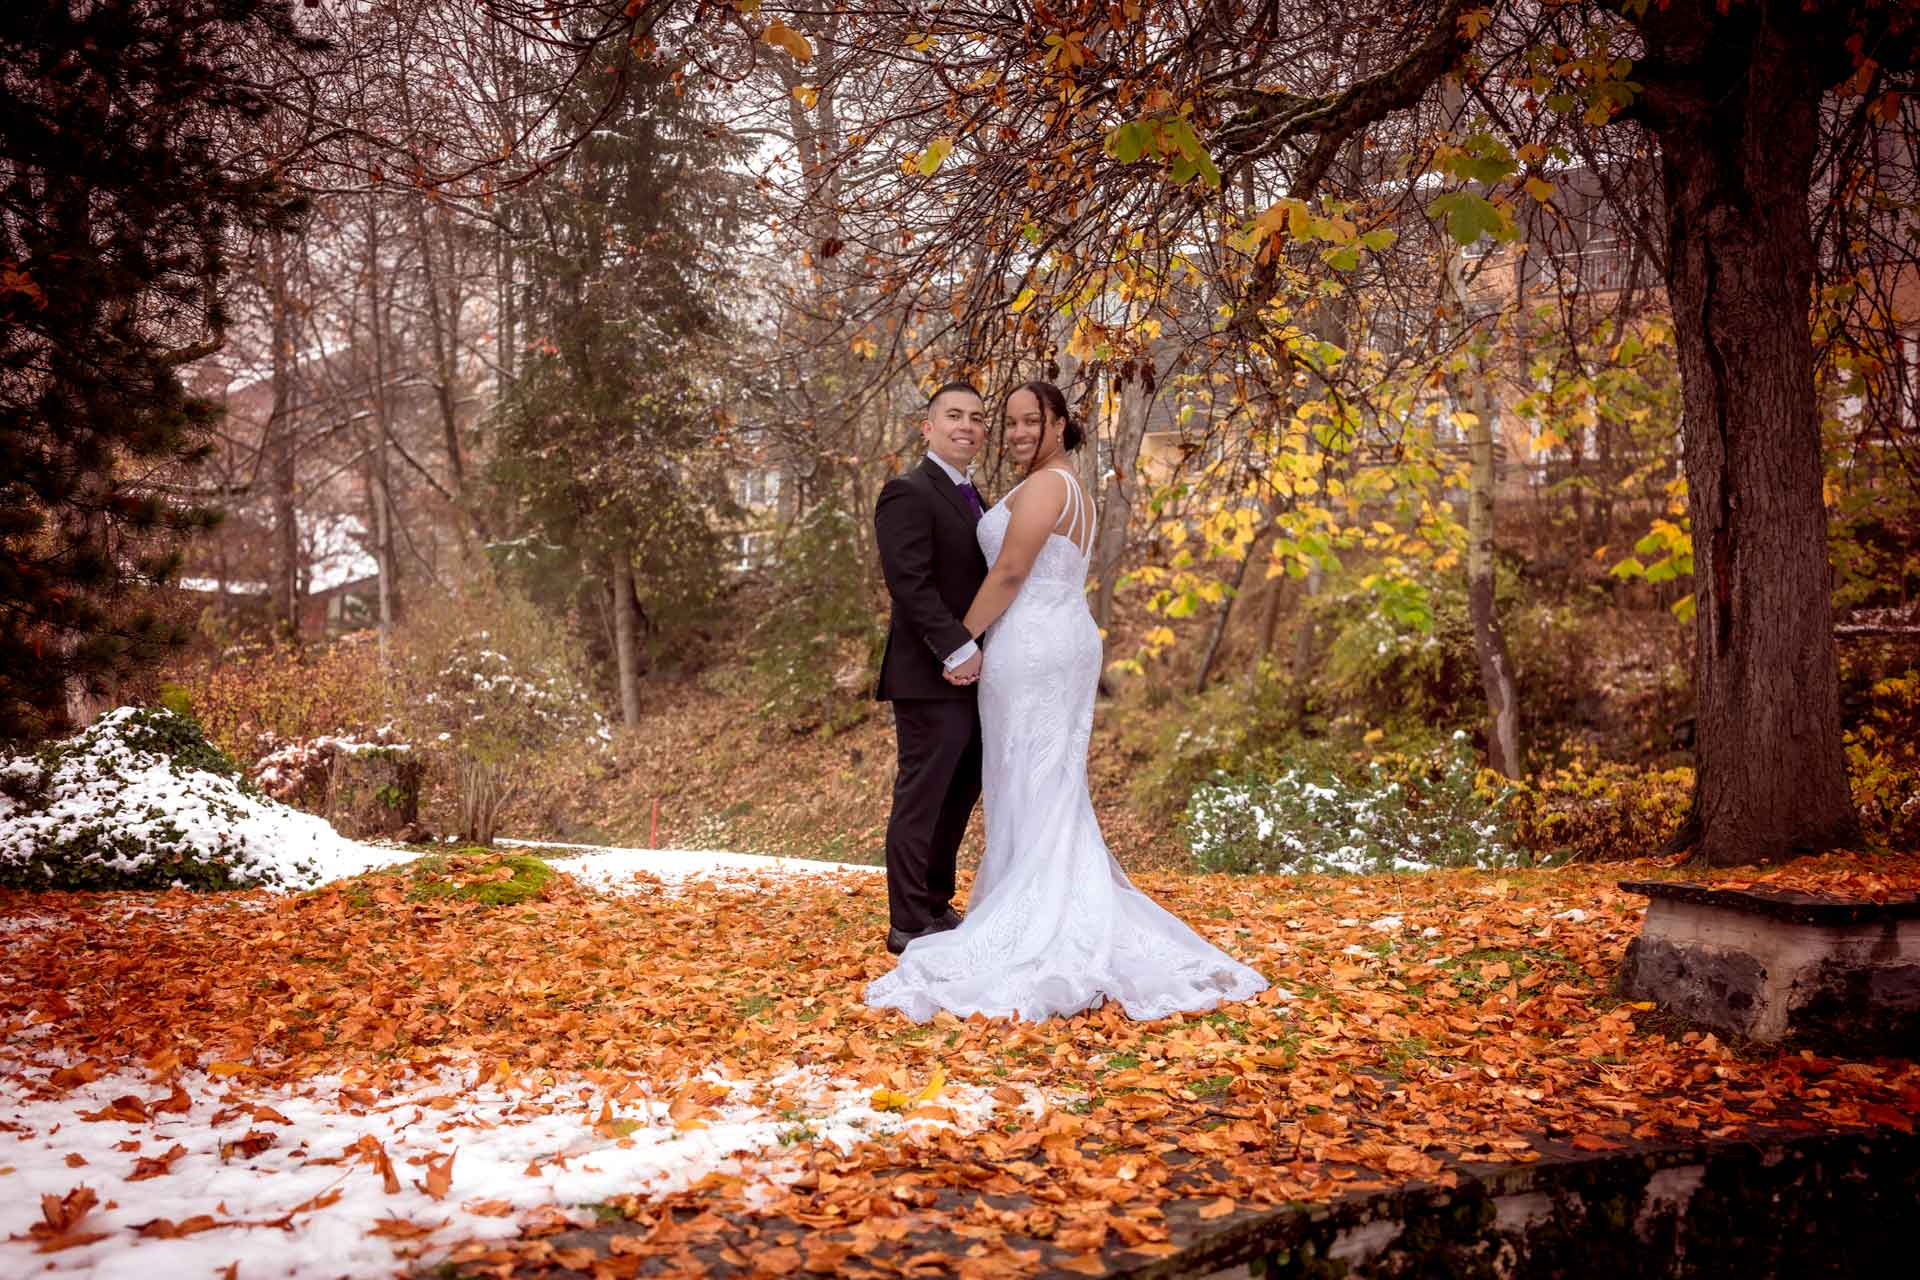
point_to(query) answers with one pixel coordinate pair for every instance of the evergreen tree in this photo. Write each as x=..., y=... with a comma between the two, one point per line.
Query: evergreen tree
x=116, y=207
x=610, y=441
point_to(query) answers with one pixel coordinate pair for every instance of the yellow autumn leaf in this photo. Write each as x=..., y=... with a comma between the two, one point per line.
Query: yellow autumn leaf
x=806, y=95
x=1022, y=302
x=1081, y=344
x=1540, y=189
x=934, y=156
x=782, y=36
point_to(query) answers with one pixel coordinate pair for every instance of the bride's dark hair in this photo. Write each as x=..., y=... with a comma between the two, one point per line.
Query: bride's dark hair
x=1053, y=404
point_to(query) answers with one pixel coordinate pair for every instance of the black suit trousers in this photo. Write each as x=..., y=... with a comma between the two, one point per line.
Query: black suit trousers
x=934, y=792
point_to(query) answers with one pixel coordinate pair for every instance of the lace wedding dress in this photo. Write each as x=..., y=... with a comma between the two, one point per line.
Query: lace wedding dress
x=1053, y=925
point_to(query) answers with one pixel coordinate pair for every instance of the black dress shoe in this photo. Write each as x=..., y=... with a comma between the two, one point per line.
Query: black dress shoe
x=948, y=919
x=897, y=939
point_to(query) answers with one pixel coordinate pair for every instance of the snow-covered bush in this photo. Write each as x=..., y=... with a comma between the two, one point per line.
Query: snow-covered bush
x=496, y=715
x=141, y=800
x=296, y=771
x=1300, y=824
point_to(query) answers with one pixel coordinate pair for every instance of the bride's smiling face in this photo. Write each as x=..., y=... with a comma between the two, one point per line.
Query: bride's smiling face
x=1027, y=427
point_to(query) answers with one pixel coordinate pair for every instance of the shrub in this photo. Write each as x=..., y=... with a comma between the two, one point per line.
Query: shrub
x=498, y=699
x=298, y=771
x=1598, y=813
x=817, y=649
x=1388, y=671
x=1317, y=821
x=1883, y=761
x=1239, y=727
x=141, y=800
x=256, y=698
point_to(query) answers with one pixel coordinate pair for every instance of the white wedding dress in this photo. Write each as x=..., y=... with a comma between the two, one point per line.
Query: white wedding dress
x=1053, y=925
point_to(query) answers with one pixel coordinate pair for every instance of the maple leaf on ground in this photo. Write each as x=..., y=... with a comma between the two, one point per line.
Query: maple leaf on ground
x=78, y=1074
x=371, y=1150
x=126, y=1109
x=59, y=1216
x=155, y=1166
x=255, y=1141
x=167, y=1229
x=439, y=1176
x=402, y=1229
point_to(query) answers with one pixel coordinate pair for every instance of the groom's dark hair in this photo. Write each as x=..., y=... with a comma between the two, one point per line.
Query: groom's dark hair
x=961, y=385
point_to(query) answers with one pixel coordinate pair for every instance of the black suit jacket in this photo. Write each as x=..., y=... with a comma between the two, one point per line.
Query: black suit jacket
x=933, y=566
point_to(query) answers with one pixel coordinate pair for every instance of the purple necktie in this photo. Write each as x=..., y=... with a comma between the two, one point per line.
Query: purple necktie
x=972, y=495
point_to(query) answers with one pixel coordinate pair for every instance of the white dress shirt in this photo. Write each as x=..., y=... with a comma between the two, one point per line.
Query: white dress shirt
x=959, y=478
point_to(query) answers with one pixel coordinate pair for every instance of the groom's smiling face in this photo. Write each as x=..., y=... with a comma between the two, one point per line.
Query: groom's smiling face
x=956, y=426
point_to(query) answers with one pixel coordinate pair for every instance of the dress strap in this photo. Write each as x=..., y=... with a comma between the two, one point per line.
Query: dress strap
x=1080, y=517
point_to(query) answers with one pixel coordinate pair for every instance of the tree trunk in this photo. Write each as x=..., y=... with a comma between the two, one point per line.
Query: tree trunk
x=1116, y=492
x=625, y=638
x=280, y=446
x=1224, y=616
x=443, y=327
x=1734, y=101
x=380, y=467
x=1504, y=751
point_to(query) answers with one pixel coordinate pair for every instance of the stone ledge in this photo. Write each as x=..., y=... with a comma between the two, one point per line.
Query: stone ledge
x=1835, y=975
x=1768, y=1204
x=1780, y=904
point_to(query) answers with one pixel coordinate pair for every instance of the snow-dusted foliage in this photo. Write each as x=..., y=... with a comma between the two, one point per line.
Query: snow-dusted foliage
x=293, y=770
x=141, y=800
x=482, y=696
x=1296, y=823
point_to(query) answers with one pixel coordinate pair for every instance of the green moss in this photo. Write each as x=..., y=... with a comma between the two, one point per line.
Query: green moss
x=467, y=876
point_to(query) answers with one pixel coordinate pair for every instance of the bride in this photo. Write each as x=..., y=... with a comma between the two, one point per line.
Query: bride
x=1053, y=925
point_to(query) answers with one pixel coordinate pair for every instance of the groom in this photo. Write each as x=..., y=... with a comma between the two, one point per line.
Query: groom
x=924, y=527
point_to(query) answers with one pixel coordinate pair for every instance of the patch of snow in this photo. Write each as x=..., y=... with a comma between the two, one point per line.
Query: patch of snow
x=289, y=1174
x=614, y=870
x=231, y=587
x=117, y=805
x=1385, y=924
x=1574, y=914
x=337, y=554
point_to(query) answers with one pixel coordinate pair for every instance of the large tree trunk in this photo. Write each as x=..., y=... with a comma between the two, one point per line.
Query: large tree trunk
x=1734, y=101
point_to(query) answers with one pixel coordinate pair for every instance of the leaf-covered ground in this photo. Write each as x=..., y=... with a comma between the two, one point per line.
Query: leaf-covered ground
x=429, y=1076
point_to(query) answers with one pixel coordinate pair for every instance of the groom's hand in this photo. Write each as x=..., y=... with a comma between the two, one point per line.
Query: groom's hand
x=966, y=673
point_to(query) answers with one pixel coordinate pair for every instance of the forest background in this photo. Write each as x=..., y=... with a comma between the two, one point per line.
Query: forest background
x=548, y=365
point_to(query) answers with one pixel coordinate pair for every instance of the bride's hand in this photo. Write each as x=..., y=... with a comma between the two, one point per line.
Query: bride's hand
x=966, y=673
